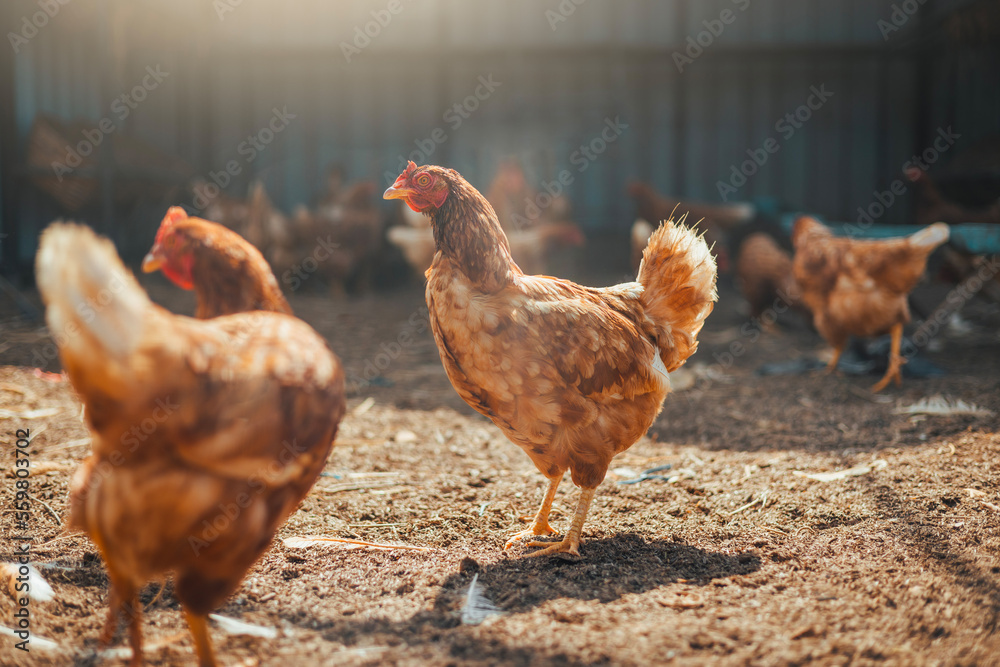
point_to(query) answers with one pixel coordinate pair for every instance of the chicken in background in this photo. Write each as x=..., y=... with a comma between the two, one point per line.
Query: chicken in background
x=412, y=218
x=417, y=245
x=532, y=240
x=267, y=227
x=860, y=288
x=573, y=375
x=353, y=222
x=765, y=275
x=219, y=207
x=933, y=207
x=341, y=238
x=958, y=266
x=639, y=238
x=334, y=187
x=246, y=407
x=509, y=194
x=256, y=220
x=228, y=274
x=715, y=219
x=530, y=248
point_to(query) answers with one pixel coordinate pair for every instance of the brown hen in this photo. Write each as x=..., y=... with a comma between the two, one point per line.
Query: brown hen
x=227, y=273
x=859, y=288
x=573, y=375
x=765, y=276
x=206, y=433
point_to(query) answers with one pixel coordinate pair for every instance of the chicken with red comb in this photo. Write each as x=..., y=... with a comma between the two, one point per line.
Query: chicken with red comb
x=573, y=375
x=228, y=274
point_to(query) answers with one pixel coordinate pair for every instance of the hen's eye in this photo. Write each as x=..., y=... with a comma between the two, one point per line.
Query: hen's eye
x=422, y=180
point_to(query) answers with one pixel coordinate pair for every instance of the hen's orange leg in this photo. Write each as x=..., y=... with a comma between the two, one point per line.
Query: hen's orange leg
x=896, y=361
x=571, y=543
x=124, y=599
x=111, y=624
x=831, y=367
x=134, y=611
x=540, y=526
x=202, y=642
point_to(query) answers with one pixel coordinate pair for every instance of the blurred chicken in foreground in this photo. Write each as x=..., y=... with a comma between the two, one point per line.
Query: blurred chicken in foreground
x=246, y=408
x=227, y=273
x=573, y=375
x=860, y=288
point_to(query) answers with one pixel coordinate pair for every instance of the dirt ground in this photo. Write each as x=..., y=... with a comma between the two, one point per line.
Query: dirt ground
x=734, y=559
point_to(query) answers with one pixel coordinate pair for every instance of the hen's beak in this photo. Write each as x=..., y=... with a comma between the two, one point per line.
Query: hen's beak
x=152, y=261
x=397, y=192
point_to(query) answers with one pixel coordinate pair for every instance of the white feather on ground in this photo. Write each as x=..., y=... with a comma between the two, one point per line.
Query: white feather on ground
x=232, y=626
x=477, y=607
x=938, y=405
x=38, y=588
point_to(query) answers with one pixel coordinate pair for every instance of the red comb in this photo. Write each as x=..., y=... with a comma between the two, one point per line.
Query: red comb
x=174, y=215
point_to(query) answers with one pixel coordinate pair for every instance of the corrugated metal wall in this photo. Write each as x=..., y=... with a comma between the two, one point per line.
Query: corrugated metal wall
x=559, y=82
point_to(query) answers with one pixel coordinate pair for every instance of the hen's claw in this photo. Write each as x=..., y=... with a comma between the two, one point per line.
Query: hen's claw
x=540, y=523
x=567, y=546
x=536, y=530
x=896, y=361
x=570, y=545
x=893, y=374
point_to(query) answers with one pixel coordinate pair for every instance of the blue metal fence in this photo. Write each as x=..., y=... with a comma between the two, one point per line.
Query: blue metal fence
x=694, y=114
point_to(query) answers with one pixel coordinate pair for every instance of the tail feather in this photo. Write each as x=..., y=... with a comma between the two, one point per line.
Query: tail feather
x=94, y=306
x=679, y=274
x=931, y=237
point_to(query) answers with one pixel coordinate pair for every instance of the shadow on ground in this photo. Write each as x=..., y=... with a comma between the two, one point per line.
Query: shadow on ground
x=610, y=568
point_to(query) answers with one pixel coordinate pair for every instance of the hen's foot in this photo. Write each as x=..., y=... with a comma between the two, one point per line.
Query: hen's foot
x=831, y=366
x=202, y=642
x=540, y=523
x=896, y=361
x=568, y=548
x=537, y=529
x=893, y=374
